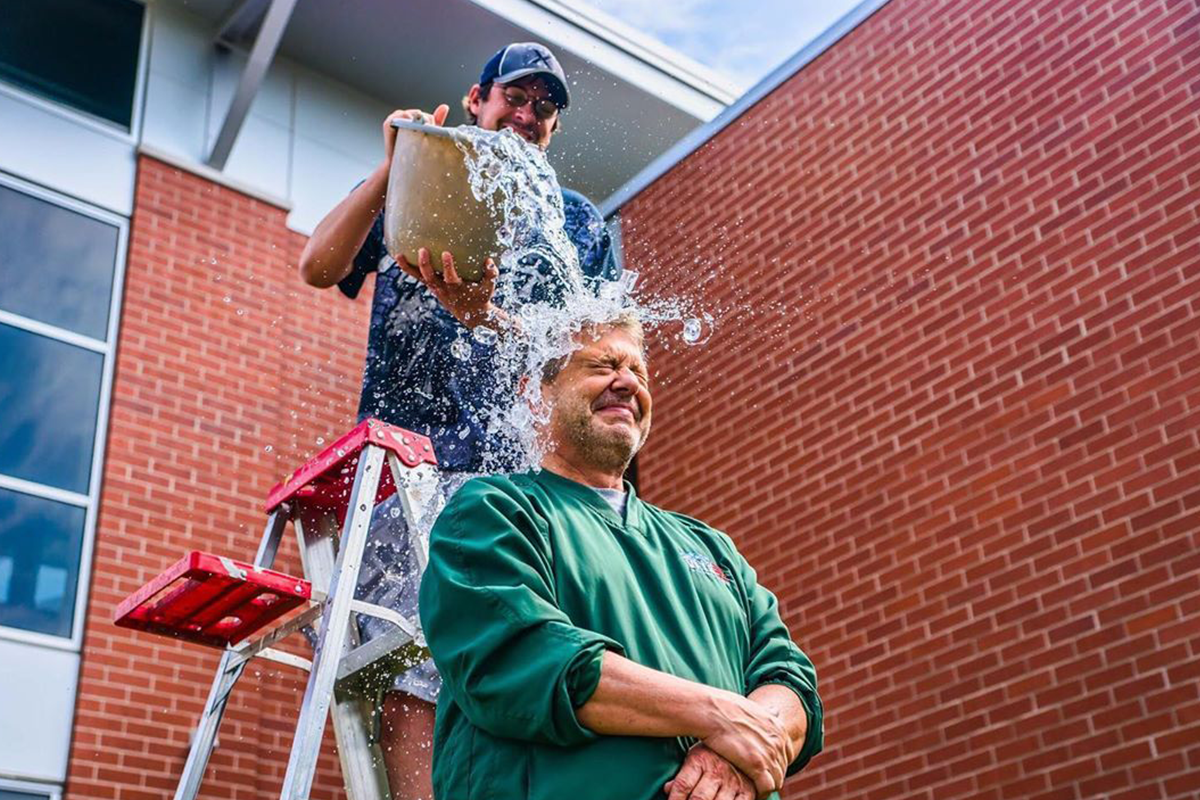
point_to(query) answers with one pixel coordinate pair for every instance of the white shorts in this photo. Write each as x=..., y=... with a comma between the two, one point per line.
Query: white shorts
x=389, y=577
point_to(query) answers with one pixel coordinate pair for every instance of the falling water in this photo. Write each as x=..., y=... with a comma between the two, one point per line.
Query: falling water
x=542, y=285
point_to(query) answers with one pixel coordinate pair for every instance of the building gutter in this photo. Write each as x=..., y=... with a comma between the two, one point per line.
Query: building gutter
x=702, y=134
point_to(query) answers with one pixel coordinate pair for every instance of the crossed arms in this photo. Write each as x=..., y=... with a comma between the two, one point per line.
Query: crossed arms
x=757, y=736
x=520, y=668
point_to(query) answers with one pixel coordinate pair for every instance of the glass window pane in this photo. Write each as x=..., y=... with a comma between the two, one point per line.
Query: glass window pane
x=40, y=542
x=13, y=794
x=56, y=265
x=49, y=398
x=82, y=53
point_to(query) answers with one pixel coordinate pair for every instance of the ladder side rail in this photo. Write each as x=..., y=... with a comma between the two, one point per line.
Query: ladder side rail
x=268, y=546
x=333, y=639
x=228, y=672
x=361, y=758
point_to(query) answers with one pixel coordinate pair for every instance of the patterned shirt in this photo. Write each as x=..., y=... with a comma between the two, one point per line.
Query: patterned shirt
x=410, y=377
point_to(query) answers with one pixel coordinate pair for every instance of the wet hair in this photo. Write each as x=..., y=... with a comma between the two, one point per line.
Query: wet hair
x=627, y=322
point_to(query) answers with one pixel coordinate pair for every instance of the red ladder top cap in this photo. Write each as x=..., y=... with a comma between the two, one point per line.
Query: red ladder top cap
x=326, y=467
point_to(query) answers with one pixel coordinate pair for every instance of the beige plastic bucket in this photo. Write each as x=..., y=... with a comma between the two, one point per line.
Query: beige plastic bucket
x=429, y=202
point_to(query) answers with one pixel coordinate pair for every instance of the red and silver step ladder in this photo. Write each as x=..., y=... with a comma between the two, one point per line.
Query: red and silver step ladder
x=218, y=602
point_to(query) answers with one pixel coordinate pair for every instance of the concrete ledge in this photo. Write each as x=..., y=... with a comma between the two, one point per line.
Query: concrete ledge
x=210, y=174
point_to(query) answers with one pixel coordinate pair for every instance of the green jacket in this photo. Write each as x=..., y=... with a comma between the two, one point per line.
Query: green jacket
x=530, y=579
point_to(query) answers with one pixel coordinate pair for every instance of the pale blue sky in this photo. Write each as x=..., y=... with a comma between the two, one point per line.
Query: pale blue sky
x=743, y=39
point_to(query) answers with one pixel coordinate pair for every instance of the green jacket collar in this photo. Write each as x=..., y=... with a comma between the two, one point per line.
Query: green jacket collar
x=591, y=498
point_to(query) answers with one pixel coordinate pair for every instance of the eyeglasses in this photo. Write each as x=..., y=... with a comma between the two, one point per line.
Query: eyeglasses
x=543, y=108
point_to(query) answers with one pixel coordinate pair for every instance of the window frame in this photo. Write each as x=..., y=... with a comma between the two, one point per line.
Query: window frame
x=131, y=135
x=90, y=502
x=54, y=791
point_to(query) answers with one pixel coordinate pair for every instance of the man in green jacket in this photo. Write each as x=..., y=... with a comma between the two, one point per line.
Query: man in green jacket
x=592, y=645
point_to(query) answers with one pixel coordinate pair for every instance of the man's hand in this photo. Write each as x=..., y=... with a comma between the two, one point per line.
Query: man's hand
x=470, y=303
x=633, y=700
x=438, y=117
x=706, y=776
x=753, y=739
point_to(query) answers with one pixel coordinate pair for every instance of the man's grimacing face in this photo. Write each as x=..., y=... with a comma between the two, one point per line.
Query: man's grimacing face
x=496, y=113
x=600, y=401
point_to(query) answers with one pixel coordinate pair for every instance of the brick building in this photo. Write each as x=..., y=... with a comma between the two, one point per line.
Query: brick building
x=161, y=365
x=953, y=247
x=950, y=409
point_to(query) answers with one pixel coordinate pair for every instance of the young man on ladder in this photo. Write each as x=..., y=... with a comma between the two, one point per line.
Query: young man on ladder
x=410, y=377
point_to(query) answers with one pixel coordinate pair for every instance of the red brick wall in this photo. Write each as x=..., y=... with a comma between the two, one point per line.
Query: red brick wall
x=954, y=422
x=220, y=343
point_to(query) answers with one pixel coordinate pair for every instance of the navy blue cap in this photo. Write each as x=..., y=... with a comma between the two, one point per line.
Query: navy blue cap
x=527, y=58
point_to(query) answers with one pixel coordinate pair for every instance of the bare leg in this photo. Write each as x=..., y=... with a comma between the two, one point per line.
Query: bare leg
x=407, y=740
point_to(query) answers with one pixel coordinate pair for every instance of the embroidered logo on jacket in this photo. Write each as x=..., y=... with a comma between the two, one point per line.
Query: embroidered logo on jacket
x=703, y=565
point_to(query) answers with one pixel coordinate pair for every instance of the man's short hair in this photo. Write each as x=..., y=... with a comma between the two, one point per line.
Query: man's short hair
x=627, y=321
x=484, y=90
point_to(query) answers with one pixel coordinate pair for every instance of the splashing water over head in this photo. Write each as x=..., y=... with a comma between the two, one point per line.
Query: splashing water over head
x=542, y=286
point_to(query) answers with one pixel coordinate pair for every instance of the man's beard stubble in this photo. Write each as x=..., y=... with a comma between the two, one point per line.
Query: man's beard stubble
x=610, y=450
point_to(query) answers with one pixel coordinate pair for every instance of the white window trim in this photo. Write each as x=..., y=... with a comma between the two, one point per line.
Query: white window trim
x=54, y=791
x=52, y=331
x=98, y=124
x=108, y=348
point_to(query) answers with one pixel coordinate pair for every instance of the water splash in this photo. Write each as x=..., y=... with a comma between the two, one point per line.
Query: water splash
x=542, y=287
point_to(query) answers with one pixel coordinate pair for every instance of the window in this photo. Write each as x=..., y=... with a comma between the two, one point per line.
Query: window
x=12, y=790
x=59, y=281
x=49, y=395
x=40, y=542
x=82, y=53
x=59, y=269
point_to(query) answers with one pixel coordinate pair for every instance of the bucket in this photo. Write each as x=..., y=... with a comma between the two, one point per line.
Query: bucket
x=429, y=202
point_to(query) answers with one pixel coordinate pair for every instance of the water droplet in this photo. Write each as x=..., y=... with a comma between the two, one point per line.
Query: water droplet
x=484, y=335
x=320, y=440
x=461, y=349
x=268, y=449
x=692, y=330
x=241, y=312
x=227, y=299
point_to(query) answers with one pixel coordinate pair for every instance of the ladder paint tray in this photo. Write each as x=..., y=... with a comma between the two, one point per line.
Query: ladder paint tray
x=212, y=600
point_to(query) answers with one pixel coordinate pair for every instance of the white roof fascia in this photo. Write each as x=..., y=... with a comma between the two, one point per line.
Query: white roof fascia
x=697, y=138
x=621, y=52
x=645, y=47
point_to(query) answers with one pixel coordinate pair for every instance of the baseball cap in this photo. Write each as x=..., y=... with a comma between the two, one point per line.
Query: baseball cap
x=527, y=58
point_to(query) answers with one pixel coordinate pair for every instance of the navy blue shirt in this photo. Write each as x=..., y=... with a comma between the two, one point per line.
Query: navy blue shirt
x=410, y=377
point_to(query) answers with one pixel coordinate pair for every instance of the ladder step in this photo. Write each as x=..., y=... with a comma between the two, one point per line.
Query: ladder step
x=324, y=481
x=373, y=666
x=211, y=600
